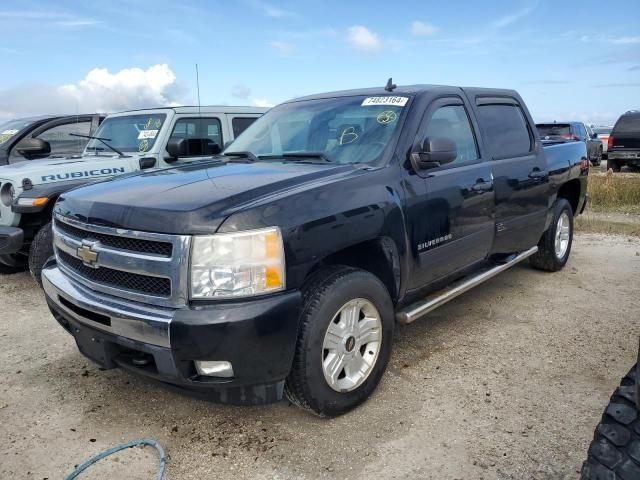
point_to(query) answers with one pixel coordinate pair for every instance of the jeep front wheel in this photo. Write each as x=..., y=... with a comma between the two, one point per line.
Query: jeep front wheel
x=40, y=251
x=344, y=341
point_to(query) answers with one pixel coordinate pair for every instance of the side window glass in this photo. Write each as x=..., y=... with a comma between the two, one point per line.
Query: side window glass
x=505, y=130
x=204, y=135
x=62, y=143
x=452, y=122
x=240, y=124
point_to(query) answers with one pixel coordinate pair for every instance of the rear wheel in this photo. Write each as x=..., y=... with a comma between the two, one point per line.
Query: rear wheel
x=555, y=245
x=13, y=263
x=598, y=159
x=614, y=451
x=40, y=251
x=614, y=165
x=344, y=342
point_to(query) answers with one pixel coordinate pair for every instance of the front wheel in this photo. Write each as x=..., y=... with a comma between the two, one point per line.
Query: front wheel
x=40, y=251
x=598, y=160
x=344, y=341
x=555, y=244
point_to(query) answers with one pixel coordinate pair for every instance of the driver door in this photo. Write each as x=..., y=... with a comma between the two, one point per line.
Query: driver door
x=456, y=226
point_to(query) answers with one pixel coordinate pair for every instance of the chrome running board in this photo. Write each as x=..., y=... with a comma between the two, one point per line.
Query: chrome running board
x=416, y=310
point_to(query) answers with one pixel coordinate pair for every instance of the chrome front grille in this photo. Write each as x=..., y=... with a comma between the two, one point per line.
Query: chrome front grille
x=141, y=266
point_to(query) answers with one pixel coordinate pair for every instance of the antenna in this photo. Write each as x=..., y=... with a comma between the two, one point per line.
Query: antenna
x=198, y=88
x=390, y=85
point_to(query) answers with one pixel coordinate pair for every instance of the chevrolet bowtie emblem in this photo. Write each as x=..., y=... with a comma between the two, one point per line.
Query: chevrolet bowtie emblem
x=86, y=253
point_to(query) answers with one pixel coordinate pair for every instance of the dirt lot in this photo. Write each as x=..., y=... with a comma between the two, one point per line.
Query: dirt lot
x=508, y=381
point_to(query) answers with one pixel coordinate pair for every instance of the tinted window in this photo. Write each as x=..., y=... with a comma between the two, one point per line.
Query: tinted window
x=240, y=124
x=628, y=124
x=505, y=130
x=204, y=135
x=452, y=122
x=62, y=142
x=554, y=131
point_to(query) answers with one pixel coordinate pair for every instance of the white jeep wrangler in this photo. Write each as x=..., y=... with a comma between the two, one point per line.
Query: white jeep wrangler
x=125, y=142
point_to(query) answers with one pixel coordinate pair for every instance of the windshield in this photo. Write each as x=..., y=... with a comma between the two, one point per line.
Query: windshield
x=602, y=130
x=10, y=128
x=344, y=130
x=128, y=133
x=554, y=131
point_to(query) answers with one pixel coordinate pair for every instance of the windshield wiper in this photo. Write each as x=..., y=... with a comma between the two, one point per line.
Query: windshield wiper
x=319, y=155
x=103, y=140
x=247, y=155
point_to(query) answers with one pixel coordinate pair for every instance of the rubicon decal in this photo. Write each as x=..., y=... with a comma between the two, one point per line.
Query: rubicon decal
x=83, y=174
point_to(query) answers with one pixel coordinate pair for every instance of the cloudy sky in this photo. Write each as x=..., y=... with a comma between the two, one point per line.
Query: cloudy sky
x=571, y=59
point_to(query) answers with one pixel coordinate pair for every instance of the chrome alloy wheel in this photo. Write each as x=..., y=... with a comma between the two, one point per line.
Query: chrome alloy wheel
x=562, y=235
x=351, y=345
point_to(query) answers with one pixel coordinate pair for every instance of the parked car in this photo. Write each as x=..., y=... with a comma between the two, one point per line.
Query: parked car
x=280, y=266
x=624, y=142
x=124, y=143
x=603, y=134
x=572, y=132
x=52, y=129
x=613, y=450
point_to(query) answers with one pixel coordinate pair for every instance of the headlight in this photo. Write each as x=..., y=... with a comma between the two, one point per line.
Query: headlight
x=7, y=193
x=237, y=264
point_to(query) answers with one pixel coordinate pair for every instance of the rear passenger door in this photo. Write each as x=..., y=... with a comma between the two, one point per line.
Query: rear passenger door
x=239, y=123
x=456, y=221
x=519, y=170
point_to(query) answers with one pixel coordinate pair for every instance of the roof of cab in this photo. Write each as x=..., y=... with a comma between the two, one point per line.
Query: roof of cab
x=404, y=90
x=194, y=109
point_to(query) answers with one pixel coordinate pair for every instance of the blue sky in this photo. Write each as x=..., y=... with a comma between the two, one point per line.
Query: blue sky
x=570, y=59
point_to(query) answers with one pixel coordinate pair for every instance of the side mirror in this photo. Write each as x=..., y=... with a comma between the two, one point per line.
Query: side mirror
x=594, y=136
x=31, y=147
x=176, y=148
x=434, y=152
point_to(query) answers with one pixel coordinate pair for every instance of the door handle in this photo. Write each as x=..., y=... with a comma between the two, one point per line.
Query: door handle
x=482, y=186
x=538, y=174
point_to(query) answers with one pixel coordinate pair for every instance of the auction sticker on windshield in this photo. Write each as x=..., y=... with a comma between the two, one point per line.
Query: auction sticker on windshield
x=147, y=134
x=397, y=101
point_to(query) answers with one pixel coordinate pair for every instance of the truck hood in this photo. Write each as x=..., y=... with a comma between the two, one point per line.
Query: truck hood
x=39, y=172
x=190, y=199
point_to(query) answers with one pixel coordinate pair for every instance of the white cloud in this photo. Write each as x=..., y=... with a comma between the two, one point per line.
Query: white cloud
x=241, y=91
x=99, y=91
x=514, y=17
x=625, y=40
x=419, y=29
x=283, y=48
x=262, y=102
x=361, y=38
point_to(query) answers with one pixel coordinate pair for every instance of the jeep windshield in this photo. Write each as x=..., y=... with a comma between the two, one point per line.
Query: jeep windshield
x=127, y=133
x=345, y=130
x=10, y=128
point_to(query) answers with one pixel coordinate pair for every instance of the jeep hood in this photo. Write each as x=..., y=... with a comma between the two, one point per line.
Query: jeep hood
x=190, y=199
x=65, y=169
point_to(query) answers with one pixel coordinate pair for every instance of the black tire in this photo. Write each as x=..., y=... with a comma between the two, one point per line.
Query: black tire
x=326, y=292
x=598, y=159
x=614, y=165
x=634, y=168
x=614, y=452
x=13, y=263
x=40, y=251
x=546, y=258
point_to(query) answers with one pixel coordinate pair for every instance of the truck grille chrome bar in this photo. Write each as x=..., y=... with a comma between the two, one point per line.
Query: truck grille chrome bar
x=140, y=266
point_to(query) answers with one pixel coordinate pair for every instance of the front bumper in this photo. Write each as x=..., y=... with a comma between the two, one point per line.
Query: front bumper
x=257, y=336
x=11, y=240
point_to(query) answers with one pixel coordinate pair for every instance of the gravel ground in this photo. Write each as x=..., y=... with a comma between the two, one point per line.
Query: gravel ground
x=506, y=382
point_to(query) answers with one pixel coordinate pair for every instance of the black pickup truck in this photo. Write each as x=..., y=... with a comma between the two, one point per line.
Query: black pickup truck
x=281, y=266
